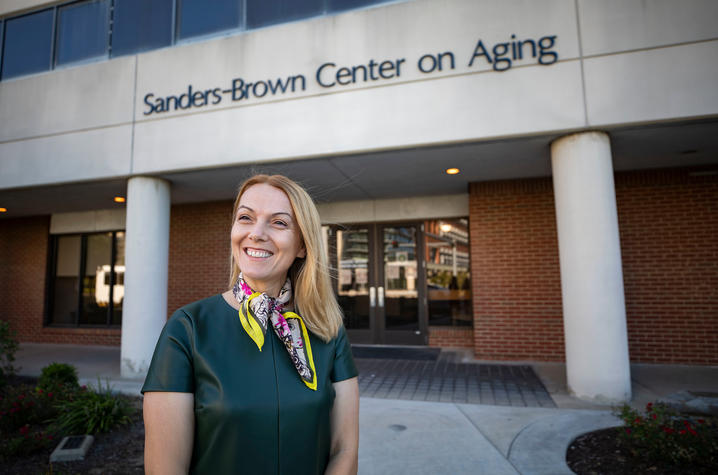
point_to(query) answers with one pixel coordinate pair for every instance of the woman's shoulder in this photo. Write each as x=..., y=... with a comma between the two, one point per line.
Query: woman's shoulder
x=201, y=309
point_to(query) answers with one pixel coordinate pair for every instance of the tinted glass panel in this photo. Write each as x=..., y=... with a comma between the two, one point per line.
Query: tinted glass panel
x=28, y=44
x=200, y=17
x=95, y=293
x=401, y=305
x=262, y=12
x=139, y=25
x=353, y=276
x=83, y=31
x=67, y=279
x=118, y=291
x=447, y=272
x=340, y=5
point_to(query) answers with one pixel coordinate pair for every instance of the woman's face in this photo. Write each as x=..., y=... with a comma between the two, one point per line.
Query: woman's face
x=265, y=238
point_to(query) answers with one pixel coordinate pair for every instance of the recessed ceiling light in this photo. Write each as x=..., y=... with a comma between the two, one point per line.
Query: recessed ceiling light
x=120, y=199
x=3, y=210
x=452, y=171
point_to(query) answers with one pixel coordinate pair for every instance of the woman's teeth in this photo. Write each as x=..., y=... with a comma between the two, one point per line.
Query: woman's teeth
x=256, y=253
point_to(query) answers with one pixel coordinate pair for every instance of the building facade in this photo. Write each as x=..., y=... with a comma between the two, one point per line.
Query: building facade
x=532, y=180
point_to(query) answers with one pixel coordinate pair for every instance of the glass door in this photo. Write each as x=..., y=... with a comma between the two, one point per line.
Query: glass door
x=379, y=282
x=399, y=290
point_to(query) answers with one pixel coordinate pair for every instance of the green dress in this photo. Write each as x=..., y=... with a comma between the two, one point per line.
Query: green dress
x=253, y=413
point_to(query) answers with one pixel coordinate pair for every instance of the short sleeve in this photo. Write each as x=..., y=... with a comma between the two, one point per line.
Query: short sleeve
x=344, y=367
x=171, y=369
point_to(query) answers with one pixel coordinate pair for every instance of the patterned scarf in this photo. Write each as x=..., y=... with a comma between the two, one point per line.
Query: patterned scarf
x=256, y=309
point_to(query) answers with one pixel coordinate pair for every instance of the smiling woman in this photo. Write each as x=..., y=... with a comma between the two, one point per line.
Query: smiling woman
x=214, y=401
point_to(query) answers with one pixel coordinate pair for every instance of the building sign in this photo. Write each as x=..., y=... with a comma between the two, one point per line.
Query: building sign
x=330, y=75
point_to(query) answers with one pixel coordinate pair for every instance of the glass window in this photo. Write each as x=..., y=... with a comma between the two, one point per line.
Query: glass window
x=341, y=5
x=199, y=17
x=28, y=44
x=95, y=294
x=83, y=31
x=448, y=277
x=262, y=12
x=67, y=279
x=88, y=284
x=140, y=25
x=352, y=254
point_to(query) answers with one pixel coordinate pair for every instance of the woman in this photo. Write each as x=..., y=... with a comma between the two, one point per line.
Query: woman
x=259, y=379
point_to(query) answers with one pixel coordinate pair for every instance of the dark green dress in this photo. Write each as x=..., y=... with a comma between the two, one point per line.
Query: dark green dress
x=253, y=413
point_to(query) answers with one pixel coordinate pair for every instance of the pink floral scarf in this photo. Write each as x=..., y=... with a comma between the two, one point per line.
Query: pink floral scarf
x=257, y=309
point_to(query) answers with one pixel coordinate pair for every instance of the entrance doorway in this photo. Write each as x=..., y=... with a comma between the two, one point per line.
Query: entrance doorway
x=380, y=281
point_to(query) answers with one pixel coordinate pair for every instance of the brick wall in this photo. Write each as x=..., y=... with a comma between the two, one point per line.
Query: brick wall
x=23, y=272
x=23, y=259
x=515, y=271
x=199, y=252
x=451, y=337
x=668, y=222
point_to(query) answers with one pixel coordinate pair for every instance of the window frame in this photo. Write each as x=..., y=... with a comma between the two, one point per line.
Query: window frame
x=52, y=273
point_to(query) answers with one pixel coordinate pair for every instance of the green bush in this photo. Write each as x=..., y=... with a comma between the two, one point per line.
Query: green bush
x=94, y=411
x=8, y=347
x=660, y=435
x=55, y=375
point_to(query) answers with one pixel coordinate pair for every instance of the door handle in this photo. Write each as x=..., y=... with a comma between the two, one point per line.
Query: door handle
x=381, y=296
x=372, y=296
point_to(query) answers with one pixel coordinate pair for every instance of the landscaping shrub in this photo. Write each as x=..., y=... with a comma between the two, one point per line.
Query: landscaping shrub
x=8, y=347
x=22, y=405
x=93, y=411
x=660, y=435
x=55, y=375
x=25, y=442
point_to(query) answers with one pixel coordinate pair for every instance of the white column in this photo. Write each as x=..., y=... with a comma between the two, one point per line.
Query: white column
x=594, y=310
x=146, y=253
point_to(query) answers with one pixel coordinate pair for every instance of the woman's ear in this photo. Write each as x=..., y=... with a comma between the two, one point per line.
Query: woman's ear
x=302, y=252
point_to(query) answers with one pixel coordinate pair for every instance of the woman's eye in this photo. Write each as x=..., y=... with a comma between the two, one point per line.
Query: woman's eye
x=280, y=223
x=243, y=217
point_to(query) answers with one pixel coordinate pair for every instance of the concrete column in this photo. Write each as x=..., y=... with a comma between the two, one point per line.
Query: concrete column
x=146, y=253
x=594, y=310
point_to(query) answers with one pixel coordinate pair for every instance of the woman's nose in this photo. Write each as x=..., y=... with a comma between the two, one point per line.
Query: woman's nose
x=257, y=233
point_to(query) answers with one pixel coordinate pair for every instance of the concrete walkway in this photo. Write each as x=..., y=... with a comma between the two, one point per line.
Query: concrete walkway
x=401, y=436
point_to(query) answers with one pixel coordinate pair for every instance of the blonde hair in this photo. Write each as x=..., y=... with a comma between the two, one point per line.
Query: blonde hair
x=314, y=297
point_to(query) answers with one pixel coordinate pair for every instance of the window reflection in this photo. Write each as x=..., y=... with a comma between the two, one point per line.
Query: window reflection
x=88, y=286
x=350, y=249
x=401, y=310
x=448, y=277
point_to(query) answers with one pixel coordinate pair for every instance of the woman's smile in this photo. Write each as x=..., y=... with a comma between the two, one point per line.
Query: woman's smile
x=257, y=253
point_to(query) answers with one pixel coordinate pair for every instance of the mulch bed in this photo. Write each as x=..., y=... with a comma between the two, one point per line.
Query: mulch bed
x=118, y=452
x=599, y=453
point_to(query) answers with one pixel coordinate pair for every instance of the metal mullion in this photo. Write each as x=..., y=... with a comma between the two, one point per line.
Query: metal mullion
x=110, y=28
x=175, y=21
x=243, y=15
x=53, y=45
x=2, y=44
x=83, y=263
x=52, y=278
x=113, y=256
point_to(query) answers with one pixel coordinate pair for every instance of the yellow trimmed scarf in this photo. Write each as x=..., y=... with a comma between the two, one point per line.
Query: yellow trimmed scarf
x=257, y=309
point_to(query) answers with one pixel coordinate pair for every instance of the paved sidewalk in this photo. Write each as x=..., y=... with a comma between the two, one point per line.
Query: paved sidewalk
x=423, y=437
